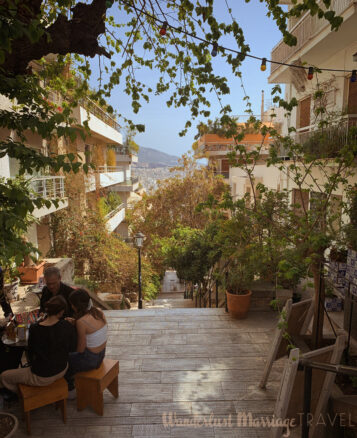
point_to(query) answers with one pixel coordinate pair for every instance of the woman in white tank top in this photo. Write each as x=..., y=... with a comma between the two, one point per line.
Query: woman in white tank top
x=92, y=334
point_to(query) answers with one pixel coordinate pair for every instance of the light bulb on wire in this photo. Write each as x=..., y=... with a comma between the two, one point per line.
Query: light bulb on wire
x=214, y=49
x=263, y=66
x=310, y=73
x=163, y=28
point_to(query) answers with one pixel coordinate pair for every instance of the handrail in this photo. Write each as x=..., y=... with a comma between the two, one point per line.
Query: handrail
x=114, y=212
x=108, y=169
x=49, y=187
x=99, y=112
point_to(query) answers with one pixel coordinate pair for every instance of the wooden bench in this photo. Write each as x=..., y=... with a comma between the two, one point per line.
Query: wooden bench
x=91, y=384
x=34, y=397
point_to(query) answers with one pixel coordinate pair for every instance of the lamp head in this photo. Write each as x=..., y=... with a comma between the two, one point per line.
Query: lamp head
x=139, y=239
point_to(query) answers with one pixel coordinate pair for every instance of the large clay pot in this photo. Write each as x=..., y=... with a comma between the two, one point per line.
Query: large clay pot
x=238, y=305
x=31, y=274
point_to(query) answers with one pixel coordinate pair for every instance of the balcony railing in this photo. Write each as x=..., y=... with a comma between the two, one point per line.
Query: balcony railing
x=48, y=187
x=324, y=142
x=223, y=173
x=114, y=212
x=121, y=150
x=306, y=28
x=97, y=111
x=131, y=181
x=108, y=169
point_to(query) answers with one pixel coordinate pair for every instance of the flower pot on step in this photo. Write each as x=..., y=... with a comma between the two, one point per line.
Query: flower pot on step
x=31, y=274
x=238, y=305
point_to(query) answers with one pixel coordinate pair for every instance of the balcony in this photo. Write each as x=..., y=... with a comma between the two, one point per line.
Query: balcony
x=115, y=217
x=101, y=124
x=129, y=185
x=108, y=176
x=324, y=142
x=310, y=30
x=51, y=188
x=124, y=154
x=223, y=173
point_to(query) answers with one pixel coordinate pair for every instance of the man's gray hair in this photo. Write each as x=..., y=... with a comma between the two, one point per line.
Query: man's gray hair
x=52, y=270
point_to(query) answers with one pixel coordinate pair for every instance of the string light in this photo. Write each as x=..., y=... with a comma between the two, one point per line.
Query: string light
x=354, y=76
x=263, y=67
x=163, y=28
x=310, y=73
x=192, y=35
x=215, y=49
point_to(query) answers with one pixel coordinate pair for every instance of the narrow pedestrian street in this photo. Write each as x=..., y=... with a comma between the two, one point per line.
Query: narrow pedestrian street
x=171, y=295
x=194, y=363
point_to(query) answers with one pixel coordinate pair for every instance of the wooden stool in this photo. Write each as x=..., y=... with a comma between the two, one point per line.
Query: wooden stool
x=91, y=384
x=34, y=397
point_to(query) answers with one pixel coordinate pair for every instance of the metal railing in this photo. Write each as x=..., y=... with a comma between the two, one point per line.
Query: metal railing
x=130, y=181
x=97, y=111
x=109, y=169
x=114, y=212
x=323, y=142
x=328, y=140
x=304, y=30
x=225, y=174
x=121, y=150
x=48, y=187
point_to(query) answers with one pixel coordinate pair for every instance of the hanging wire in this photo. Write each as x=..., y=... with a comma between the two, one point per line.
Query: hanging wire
x=228, y=49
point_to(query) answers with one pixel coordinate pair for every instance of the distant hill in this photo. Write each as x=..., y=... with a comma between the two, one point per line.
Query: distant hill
x=153, y=158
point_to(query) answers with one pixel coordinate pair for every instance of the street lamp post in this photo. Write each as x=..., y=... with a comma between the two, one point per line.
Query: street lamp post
x=139, y=240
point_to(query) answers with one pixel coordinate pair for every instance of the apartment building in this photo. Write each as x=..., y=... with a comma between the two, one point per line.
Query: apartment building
x=217, y=148
x=79, y=191
x=318, y=47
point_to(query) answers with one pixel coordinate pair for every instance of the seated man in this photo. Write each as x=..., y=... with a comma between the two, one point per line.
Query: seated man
x=54, y=286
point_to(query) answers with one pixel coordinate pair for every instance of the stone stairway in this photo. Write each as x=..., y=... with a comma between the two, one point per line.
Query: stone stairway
x=198, y=364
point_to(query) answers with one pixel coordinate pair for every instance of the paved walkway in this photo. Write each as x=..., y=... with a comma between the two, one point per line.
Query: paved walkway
x=171, y=295
x=191, y=362
x=170, y=283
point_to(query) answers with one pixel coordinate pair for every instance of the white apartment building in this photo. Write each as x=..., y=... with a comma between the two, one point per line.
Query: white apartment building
x=316, y=46
x=86, y=189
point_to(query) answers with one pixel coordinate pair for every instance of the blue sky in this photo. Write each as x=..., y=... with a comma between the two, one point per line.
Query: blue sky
x=163, y=124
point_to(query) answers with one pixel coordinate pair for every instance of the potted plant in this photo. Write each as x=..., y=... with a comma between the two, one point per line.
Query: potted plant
x=30, y=272
x=8, y=424
x=333, y=303
x=238, y=281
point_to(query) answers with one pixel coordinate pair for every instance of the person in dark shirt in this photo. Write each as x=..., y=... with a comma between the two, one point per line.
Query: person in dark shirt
x=54, y=286
x=6, y=308
x=50, y=342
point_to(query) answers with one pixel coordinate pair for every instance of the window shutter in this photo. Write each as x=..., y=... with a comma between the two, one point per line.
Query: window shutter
x=304, y=112
x=225, y=166
x=352, y=98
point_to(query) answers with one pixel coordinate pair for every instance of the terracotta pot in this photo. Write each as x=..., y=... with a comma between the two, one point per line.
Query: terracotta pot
x=31, y=274
x=238, y=305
